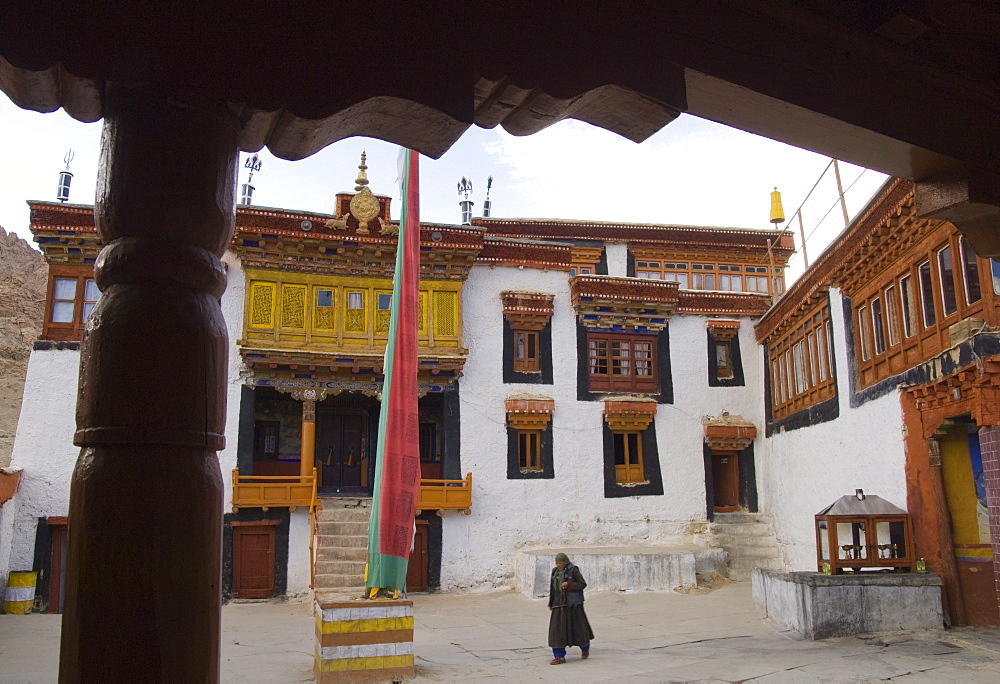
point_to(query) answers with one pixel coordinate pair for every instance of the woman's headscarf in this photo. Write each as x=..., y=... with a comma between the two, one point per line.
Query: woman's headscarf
x=562, y=558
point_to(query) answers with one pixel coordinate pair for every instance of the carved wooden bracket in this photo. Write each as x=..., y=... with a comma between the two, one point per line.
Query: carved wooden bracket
x=626, y=415
x=527, y=311
x=723, y=331
x=729, y=433
x=529, y=413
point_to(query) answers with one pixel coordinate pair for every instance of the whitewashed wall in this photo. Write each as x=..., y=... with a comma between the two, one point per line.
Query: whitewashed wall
x=232, y=310
x=571, y=509
x=802, y=471
x=43, y=446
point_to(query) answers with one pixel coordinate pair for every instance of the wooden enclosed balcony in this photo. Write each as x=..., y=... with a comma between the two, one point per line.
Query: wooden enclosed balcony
x=446, y=495
x=265, y=491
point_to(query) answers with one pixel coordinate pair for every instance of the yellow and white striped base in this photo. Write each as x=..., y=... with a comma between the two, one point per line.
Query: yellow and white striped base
x=19, y=597
x=364, y=641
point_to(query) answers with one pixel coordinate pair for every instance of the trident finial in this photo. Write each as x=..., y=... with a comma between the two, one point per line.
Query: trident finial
x=68, y=157
x=362, y=179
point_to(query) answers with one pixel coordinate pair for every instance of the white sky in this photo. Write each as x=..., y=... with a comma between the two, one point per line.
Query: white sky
x=692, y=172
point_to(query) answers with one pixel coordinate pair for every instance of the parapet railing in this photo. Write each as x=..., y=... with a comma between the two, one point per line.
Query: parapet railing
x=446, y=495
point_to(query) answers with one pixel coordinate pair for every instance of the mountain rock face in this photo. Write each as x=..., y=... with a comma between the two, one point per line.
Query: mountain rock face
x=23, y=279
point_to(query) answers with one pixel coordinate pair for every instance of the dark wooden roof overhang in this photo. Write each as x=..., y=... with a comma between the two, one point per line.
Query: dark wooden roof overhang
x=707, y=239
x=627, y=303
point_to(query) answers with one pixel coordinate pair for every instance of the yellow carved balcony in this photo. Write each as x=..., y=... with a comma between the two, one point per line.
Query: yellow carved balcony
x=265, y=491
x=446, y=495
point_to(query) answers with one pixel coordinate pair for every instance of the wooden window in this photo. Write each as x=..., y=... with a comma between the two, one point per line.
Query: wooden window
x=927, y=294
x=628, y=457
x=265, y=439
x=864, y=334
x=72, y=296
x=946, y=275
x=909, y=304
x=801, y=363
x=723, y=363
x=892, y=313
x=712, y=276
x=878, y=326
x=354, y=313
x=323, y=316
x=621, y=363
x=970, y=273
x=526, y=358
x=383, y=306
x=529, y=450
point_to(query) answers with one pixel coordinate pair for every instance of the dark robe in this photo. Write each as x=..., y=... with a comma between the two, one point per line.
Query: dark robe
x=568, y=624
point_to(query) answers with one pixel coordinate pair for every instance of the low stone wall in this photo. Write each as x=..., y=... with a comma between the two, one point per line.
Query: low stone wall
x=818, y=606
x=621, y=568
x=363, y=641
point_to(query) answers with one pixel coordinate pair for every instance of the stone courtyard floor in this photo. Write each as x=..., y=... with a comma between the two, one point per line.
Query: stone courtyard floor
x=656, y=637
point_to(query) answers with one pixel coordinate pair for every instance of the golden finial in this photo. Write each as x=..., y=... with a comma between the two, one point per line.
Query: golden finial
x=362, y=179
x=777, y=211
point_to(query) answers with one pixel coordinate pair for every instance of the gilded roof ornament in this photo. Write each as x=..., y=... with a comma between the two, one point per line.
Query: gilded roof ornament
x=364, y=205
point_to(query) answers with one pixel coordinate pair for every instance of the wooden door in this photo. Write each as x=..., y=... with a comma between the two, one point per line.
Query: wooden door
x=416, y=573
x=965, y=490
x=725, y=481
x=253, y=559
x=341, y=450
x=57, y=563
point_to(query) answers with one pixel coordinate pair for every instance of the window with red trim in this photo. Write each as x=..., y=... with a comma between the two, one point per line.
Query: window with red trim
x=621, y=363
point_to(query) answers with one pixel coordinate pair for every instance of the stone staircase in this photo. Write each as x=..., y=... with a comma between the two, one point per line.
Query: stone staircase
x=749, y=541
x=342, y=545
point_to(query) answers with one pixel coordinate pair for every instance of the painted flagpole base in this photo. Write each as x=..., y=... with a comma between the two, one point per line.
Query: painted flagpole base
x=363, y=641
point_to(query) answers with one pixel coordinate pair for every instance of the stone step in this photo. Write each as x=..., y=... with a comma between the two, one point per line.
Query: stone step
x=328, y=552
x=344, y=514
x=341, y=567
x=343, y=541
x=740, y=574
x=742, y=529
x=332, y=528
x=727, y=540
x=748, y=563
x=741, y=518
x=331, y=581
x=740, y=551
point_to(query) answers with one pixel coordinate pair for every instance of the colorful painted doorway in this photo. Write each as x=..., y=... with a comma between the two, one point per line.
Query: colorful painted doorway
x=965, y=492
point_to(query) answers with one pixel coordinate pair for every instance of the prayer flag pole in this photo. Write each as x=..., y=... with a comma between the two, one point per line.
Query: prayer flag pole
x=397, y=458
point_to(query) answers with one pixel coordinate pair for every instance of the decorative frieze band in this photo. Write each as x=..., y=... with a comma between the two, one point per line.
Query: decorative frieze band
x=527, y=310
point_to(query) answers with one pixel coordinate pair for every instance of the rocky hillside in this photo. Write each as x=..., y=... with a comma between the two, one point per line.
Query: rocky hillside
x=23, y=276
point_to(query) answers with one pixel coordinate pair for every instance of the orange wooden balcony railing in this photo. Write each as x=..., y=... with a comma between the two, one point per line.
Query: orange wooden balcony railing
x=446, y=495
x=265, y=491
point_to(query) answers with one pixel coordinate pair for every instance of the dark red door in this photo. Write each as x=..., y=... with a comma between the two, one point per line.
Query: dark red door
x=725, y=481
x=253, y=559
x=416, y=572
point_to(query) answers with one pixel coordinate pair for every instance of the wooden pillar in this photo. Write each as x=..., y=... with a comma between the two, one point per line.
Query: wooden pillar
x=145, y=522
x=308, y=450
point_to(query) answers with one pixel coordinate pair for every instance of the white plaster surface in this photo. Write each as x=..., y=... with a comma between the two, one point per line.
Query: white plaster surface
x=802, y=471
x=617, y=256
x=571, y=509
x=43, y=446
x=298, y=556
x=232, y=310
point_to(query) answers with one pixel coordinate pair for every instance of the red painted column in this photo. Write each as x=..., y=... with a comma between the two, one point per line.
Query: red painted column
x=145, y=522
x=989, y=447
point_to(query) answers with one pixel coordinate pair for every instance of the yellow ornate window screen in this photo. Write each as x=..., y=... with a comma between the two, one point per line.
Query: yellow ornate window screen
x=383, y=307
x=354, y=313
x=323, y=312
x=293, y=306
x=262, y=304
x=445, y=314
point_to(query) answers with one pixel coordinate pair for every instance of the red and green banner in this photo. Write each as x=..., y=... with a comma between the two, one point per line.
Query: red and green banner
x=397, y=458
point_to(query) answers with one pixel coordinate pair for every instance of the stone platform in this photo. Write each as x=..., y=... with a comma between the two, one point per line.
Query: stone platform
x=621, y=568
x=818, y=606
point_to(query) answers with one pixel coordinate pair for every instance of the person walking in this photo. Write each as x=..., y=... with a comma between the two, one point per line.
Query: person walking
x=568, y=624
